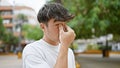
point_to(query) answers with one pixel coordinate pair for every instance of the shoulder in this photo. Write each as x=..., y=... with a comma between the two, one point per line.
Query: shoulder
x=70, y=51
x=32, y=47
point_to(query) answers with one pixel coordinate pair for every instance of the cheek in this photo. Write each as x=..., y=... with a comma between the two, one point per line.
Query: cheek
x=56, y=30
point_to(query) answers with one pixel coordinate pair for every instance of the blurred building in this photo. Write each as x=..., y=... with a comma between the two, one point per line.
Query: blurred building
x=9, y=14
x=26, y=11
x=6, y=12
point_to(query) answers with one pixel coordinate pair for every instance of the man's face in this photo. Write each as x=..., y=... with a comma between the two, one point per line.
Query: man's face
x=51, y=31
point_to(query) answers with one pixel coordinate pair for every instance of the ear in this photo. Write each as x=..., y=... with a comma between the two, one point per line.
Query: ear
x=42, y=26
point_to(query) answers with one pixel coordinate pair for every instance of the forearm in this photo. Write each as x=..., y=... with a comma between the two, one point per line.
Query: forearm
x=62, y=60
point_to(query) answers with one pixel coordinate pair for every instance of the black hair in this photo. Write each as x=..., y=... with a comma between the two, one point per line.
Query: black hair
x=53, y=11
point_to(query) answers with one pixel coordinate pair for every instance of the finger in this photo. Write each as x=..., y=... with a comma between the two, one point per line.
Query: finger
x=61, y=28
x=69, y=29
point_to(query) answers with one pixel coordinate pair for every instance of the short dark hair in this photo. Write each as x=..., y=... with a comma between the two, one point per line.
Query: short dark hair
x=53, y=11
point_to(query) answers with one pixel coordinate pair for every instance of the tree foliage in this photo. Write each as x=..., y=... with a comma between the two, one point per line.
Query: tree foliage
x=21, y=18
x=32, y=32
x=2, y=29
x=7, y=37
x=101, y=15
x=10, y=39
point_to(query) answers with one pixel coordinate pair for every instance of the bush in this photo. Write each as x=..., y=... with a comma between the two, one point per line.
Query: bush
x=104, y=48
x=93, y=47
x=74, y=46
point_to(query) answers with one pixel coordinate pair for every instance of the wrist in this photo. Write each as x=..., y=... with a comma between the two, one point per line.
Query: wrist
x=64, y=49
x=65, y=45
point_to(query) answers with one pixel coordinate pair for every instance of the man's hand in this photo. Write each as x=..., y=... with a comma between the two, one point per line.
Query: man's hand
x=66, y=37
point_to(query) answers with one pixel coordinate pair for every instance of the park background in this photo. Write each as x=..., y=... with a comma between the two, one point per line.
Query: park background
x=96, y=24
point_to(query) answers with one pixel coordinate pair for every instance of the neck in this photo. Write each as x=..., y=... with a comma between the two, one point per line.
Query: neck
x=54, y=43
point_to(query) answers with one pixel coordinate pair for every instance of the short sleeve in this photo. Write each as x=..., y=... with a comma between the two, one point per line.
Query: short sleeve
x=32, y=61
x=71, y=59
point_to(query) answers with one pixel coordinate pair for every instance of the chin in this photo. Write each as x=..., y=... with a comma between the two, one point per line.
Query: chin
x=57, y=40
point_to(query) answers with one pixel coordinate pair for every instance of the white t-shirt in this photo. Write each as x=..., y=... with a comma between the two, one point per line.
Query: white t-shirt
x=40, y=54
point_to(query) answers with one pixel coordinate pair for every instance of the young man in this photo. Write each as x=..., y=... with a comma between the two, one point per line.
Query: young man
x=52, y=51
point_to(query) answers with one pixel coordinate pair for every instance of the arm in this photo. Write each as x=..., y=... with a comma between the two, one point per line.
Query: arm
x=66, y=39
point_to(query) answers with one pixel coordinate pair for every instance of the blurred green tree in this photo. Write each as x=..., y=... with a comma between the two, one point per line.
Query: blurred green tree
x=10, y=40
x=7, y=38
x=100, y=15
x=21, y=18
x=32, y=32
x=2, y=29
x=58, y=1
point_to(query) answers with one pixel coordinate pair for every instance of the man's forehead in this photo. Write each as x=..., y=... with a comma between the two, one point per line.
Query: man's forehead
x=56, y=22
